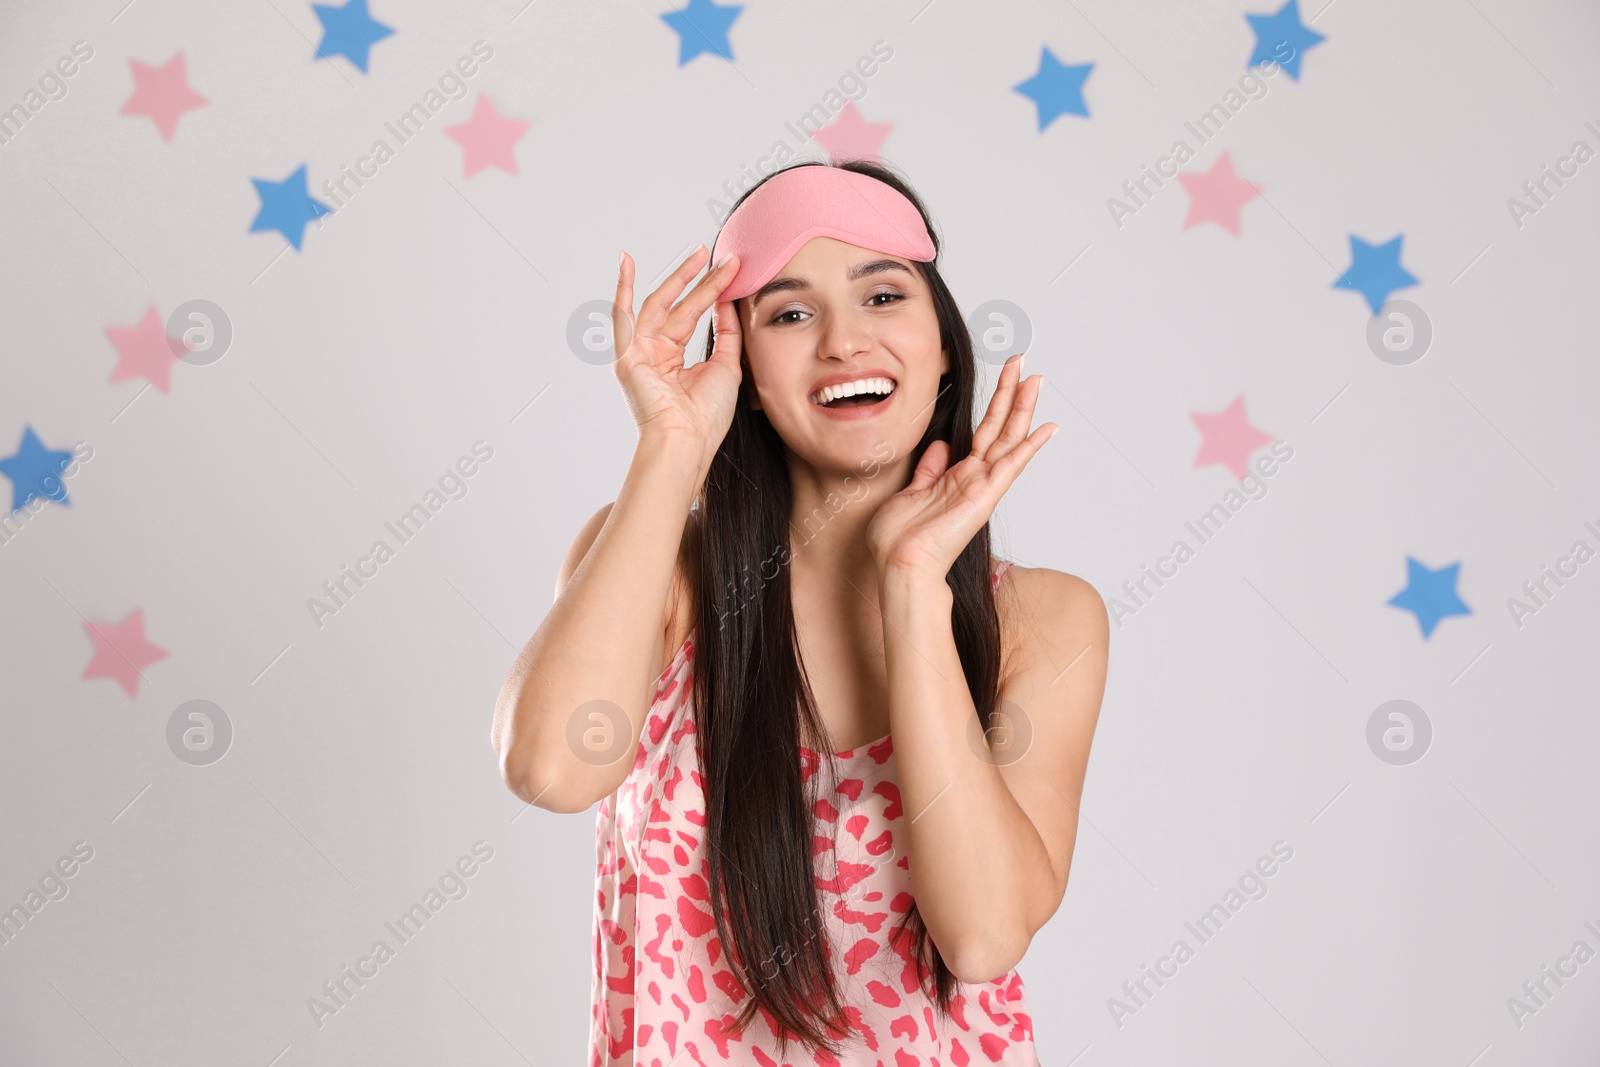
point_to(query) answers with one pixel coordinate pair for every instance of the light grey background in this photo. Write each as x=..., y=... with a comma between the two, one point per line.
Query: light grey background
x=432, y=311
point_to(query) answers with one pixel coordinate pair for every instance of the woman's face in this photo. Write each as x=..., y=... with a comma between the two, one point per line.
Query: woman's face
x=838, y=313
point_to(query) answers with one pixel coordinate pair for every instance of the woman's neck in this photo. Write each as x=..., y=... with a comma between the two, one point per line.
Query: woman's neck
x=830, y=512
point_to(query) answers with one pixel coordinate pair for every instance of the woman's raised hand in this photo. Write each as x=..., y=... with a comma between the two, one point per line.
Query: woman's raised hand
x=665, y=396
x=925, y=526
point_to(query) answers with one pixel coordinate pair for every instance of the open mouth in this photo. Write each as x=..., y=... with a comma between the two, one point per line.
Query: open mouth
x=864, y=393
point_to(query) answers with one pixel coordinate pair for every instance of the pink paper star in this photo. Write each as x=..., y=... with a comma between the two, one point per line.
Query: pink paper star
x=1217, y=195
x=852, y=136
x=162, y=93
x=488, y=138
x=120, y=650
x=1228, y=438
x=144, y=350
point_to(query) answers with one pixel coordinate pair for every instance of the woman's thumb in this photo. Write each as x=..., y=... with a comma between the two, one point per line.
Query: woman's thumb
x=728, y=340
x=932, y=464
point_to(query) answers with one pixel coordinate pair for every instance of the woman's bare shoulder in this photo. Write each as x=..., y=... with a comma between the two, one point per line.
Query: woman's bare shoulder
x=1046, y=611
x=579, y=549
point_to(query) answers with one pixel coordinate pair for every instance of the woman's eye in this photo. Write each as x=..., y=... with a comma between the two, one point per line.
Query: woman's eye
x=782, y=318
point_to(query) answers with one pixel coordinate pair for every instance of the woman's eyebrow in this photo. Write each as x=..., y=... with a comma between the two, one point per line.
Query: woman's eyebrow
x=878, y=266
x=857, y=272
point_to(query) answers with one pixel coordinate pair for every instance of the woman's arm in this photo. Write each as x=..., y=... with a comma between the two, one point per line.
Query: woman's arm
x=992, y=822
x=992, y=831
x=600, y=642
x=586, y=675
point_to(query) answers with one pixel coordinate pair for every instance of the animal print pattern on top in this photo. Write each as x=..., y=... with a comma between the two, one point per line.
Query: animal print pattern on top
x=662, y=994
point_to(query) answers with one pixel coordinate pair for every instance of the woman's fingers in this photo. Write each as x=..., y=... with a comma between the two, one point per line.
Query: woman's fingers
x=1020, y=417
x=655, y=318
x=932, y=465
x=1010, y=465
x=680, y=323
x=654, y=309
x=729, y=342
x=994, y=478
x=622, y=306
x=999, y=406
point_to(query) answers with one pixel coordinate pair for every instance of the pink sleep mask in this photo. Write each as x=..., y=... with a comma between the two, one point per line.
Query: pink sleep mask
x=795, y=205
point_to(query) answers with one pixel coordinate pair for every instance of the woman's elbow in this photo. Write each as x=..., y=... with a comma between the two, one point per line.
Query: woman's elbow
x=552, y=780
x=525, y=768
x=541, y=790
x=983, y=958
x=534, y=779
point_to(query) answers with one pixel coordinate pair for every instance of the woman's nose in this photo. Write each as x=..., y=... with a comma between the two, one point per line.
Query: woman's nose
x=842, y=338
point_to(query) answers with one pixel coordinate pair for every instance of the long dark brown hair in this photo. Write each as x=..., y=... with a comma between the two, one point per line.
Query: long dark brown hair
x=755, y=709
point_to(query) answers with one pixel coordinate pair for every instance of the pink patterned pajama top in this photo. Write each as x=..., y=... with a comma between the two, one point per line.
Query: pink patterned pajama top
x=662, y=994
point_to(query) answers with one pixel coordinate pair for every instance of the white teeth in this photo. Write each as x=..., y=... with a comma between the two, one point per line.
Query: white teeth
x=882, y=386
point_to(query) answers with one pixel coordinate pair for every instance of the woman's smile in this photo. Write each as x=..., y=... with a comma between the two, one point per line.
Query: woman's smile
x=859, y=395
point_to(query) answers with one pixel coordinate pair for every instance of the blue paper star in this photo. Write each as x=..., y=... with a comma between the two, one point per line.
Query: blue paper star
x=349, y=31
x=1430, y=595
x=287, y=206
x=1375, y=271
x=1282, y=38
x=1056, y=89
x=703, y=27
x=33, y=469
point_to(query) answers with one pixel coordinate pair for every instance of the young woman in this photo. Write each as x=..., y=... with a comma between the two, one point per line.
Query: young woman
x=838, y=748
